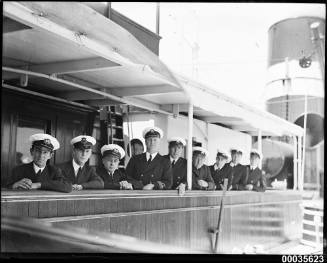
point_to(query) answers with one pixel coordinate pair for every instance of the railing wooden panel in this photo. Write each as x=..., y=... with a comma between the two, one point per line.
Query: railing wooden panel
x=249, y=218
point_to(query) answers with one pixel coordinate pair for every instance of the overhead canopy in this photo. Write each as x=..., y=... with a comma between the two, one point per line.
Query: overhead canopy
x=70, y=51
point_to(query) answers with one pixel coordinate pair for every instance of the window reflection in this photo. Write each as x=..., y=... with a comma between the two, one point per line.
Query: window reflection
x=26, y=127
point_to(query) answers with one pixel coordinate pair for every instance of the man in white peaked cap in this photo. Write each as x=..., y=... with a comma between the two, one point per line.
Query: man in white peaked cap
x=178, y=163
x=76, y=170
x=150, y=170
x=256, y=181
x=112, y=176
x=239, y=171
x=220, y=170
x=38, y=174
x=201, y=176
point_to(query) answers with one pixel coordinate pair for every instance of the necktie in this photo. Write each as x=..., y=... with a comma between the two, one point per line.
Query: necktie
x=38, y=173
x=150, y=159
x=173, y=163
x=79, y=171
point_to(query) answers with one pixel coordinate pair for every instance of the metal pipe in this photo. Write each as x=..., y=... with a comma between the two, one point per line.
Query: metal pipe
x=304, y=135
x=189, y=146
x=107, y=95
x=260, y=146
x=158, y=18
x=109, y=10
x=295, y=185
x=300, y=164
x=317, y=41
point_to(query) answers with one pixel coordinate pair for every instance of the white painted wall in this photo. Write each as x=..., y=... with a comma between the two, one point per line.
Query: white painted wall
x=217, y=136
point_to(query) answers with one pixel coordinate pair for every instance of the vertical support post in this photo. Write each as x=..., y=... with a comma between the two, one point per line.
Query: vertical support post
x=318, y=168
x=158, y=19
x=109, y=10
x=304, y=133
x=295, y=165
x=189, y=146
x=260, y=146
x=319, y=48
x=300, y=179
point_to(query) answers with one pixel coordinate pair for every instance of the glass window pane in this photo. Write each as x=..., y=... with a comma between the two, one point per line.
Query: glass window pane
x=26, y=128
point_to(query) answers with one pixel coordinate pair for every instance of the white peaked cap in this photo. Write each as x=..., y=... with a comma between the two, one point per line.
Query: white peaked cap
x=256, y=152
x=177, y=139
x=200, y=149
x=113, y=148
x=81, y=138
x=48, y=140
x=153, y=130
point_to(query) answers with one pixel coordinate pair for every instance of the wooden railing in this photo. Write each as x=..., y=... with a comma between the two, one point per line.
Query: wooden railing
x=249, y=218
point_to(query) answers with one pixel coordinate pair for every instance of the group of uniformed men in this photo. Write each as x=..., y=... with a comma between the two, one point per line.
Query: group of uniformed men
x=147, y=171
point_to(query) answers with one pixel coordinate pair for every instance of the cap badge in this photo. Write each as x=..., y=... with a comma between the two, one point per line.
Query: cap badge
x=47, y=141
x=152, y=130
x=83, y=139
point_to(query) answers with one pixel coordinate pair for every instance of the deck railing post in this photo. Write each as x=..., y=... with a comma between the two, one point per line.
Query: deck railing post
x=260, y=146
x=189, y=146
x=295, y=165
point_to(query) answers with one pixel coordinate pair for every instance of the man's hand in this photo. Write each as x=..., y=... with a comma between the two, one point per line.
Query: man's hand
x=249, y=187
x=161, y=185
x=181, y=185
x=148, y=187
x=36, y=185
x=77, y=187
x=125, y=185
x=203, y=183
x=24, y=183
x=230, y=188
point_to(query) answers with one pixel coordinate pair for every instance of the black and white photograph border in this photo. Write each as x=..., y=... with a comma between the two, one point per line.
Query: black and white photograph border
x=211, y=114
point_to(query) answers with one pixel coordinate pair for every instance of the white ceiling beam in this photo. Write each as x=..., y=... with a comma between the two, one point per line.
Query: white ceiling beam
x=125, y=100
x=79, y=95
x=38, y=20
x=142, y=90
x=101, y=102
x=74, y=66
x=221, y=119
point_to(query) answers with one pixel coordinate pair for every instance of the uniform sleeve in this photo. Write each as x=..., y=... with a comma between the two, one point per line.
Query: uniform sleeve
x=94, y=182
x=130, y=173
x=15, y=177
x=115, y=185
x=261, y=185
x=211, y=183
x=57, y=182
x=167, y=176
x=244, y=178
x=229, y=175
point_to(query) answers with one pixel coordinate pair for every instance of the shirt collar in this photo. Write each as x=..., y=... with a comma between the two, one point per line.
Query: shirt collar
x=153, y=155
x=253, y=167
x=172, y=159
x=215, y=167
x=76, y=166
x=36, y=168
x=111, y=173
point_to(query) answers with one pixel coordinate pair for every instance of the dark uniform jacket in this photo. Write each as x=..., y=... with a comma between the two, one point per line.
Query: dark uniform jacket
x=111, y=182
x=220, y=174
x=51, y=177
x=179, y=171
x=140, y=173
x=257, y=179
x=88, y=177
x=202, y=174
x=239, y=175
